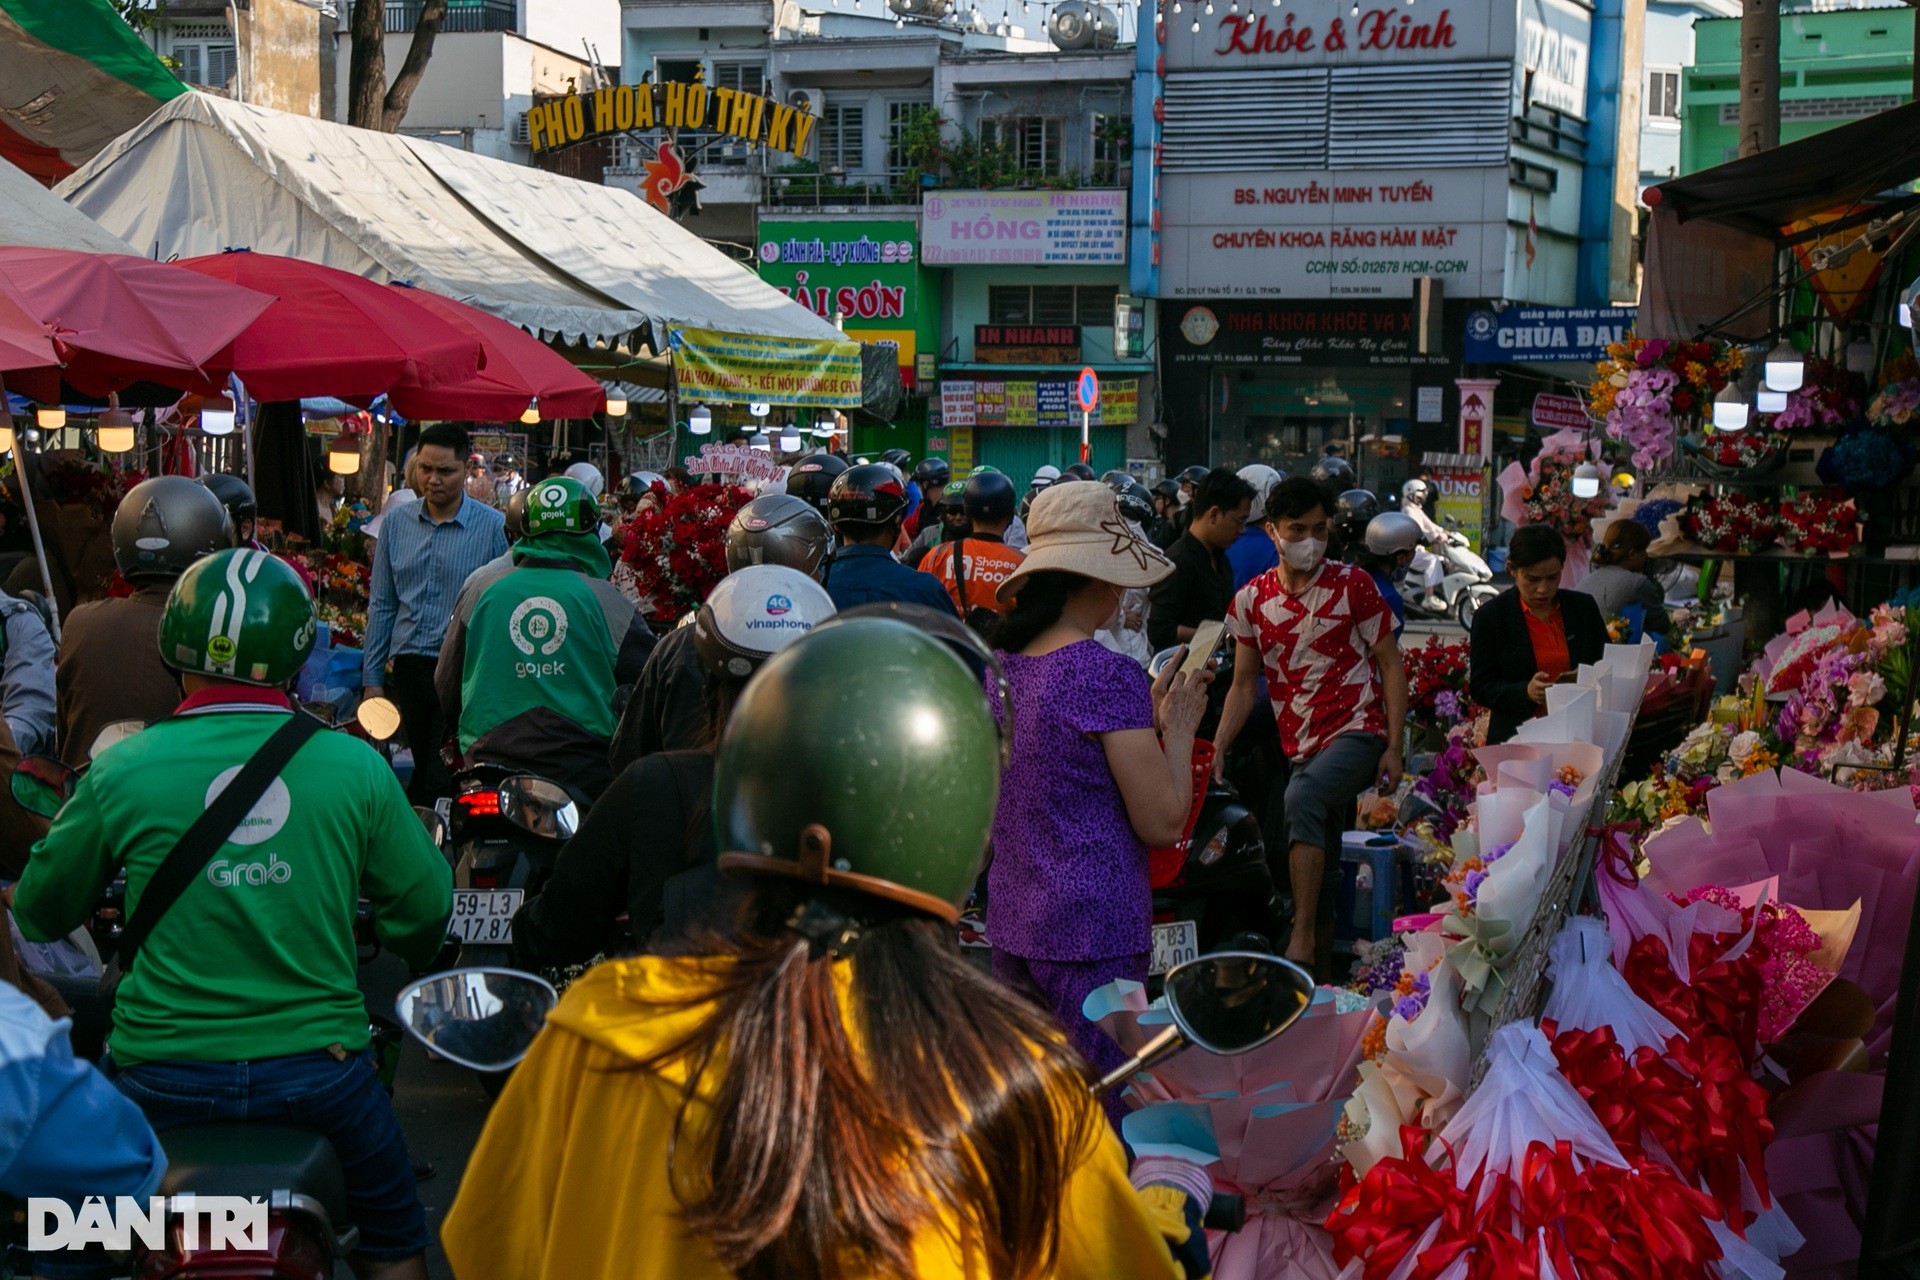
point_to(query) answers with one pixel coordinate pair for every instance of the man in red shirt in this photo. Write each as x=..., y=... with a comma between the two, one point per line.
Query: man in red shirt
x=1324, y=638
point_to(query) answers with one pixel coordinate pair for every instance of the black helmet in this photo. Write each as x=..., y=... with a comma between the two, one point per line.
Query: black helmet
x=871, y=493
x=1352, y=512
x=1136, y=504
x=1117, y=480
x=899, y=458
x=990, y=497
x=777, y=528
x=1333, y=474
x=637, y=484
x=1168, y=488
x=811, y=479
x=932, y=475
x=1080, y=469
x=1193, y=475
x=235, y=495
x=164, y=524
x=516, y=514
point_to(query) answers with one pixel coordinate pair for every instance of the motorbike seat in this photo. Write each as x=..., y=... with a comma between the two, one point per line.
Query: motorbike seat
x=248, y=1158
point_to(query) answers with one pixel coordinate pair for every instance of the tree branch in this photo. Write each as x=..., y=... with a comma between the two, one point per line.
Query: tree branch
x=419, y=50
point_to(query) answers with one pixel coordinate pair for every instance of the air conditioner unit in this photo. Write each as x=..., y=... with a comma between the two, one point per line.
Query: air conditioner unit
x=520, y=134
x=811, y=101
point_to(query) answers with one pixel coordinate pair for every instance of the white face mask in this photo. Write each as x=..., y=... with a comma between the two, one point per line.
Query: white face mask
x=1304, y=555
x=1186, y=496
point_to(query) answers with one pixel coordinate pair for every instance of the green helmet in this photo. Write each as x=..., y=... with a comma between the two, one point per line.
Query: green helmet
x=863, y=756
x=983, y=470
x=560, y=505
x=241, y=615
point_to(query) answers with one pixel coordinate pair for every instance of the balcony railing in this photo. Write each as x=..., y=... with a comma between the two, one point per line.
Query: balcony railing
x=462, y=15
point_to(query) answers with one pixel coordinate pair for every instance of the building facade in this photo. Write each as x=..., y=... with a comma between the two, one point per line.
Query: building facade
x=1669, y=57
x=271, y=53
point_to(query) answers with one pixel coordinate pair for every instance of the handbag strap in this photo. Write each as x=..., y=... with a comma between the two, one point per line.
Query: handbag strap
x=211, y=830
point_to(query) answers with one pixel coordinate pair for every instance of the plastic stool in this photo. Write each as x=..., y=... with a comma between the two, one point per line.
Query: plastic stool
x=1378, y=852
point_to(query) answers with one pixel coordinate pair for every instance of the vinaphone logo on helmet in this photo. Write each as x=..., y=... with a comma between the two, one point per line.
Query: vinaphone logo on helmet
x=777, y=610
x=538, y=627
x=267, y=819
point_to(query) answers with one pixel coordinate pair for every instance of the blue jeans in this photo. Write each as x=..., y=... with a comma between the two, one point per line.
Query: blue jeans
x=341, y=1099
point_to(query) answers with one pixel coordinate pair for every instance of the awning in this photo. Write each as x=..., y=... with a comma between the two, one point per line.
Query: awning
x=76, y=78
x=34, y=216
x=1714, y=237
x=561, y=258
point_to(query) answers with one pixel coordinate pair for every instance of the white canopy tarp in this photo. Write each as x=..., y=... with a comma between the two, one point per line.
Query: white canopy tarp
x=559, y=257
x=33, y=216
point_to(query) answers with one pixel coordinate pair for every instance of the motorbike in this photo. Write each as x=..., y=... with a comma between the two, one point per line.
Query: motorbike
x=506, y=830
x=1465, y=580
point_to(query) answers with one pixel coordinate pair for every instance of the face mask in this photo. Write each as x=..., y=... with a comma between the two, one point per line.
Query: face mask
x=1304, y=555
x=1186, y=496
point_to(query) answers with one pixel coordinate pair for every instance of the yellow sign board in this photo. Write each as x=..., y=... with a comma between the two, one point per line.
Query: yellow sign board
x=556, y=123
x=737, y=368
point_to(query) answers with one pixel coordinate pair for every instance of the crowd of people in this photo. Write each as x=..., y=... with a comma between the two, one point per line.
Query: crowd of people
x=900, y=669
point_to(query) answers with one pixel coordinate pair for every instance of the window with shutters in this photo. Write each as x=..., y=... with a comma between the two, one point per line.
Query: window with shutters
x=1093, y=305
x=207, y=65
x=1112, y=135
x=742, y=77
x=900, y=118
x=1032, y=141
x=843, y=136
x=1663, y=95
x=1087, y=305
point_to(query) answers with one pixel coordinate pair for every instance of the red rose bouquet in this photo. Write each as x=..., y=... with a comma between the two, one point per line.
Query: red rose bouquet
x=1813, y=523
x=1437, y=681
x=678, y=553
x=1550, y=499
x=1730, y=522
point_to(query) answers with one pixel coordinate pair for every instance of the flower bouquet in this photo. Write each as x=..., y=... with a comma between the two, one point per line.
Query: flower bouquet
x=678, y=553
x=1729, y=455
x=1646, y=390
x=1437, y=682
x=1866, y=459
x=1731, y=522
x=1896, y=406
x=1550, y=500
x=1812, y=523
x=1823, y=402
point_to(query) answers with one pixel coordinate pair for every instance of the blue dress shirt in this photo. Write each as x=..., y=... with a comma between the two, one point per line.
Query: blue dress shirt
x=418, y=566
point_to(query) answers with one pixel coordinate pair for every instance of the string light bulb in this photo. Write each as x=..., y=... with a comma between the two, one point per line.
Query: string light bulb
x=1195, y=28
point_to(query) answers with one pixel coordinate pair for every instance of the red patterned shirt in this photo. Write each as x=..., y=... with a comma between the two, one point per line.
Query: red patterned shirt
x=1317, y=650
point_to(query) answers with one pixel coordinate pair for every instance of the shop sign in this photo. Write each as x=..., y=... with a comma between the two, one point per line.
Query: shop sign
x=739, y=460
x=491, y=444
x=865, y=275
x=1459, y=483
x=1251, y=333
x=554, y=124
x=1318, y=33
x=1560, y=413
x=1553, y=39
x=736, y=368
x=1129, y=327
x=1333, y=233
x=1026, y=344
x=1041, y=402
x=1036, y=228
x=1577, y=334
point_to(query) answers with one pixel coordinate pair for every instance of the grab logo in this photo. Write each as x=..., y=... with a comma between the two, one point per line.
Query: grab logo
x=269, y=813
x=225, y=875
x=538, y=622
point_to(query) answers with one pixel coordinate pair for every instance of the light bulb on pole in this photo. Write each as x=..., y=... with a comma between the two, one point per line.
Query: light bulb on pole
x=1730, y=409
x=790, y=438
x=823, y=429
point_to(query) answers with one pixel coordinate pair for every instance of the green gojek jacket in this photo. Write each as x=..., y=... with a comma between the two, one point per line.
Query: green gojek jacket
x=257, y=958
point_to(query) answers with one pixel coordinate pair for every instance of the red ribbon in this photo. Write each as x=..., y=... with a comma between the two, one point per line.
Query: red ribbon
x=1616, y=850
x=1723, y=997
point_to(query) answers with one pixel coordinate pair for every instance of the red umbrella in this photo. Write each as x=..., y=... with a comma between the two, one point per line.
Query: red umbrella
x=24, y=343
x=519, y=368
x=116, y=319
x=332, y=333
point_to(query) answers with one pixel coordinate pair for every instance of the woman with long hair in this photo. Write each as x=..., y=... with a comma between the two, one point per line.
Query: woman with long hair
x=826, y=1090
x=1090, y=785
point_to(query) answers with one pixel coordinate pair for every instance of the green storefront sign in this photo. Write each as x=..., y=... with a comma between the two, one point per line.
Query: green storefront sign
x=867, y=273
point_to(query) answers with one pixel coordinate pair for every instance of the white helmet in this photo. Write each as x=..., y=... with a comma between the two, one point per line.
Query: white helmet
x=1390, y=533
x=1045, y=476
x=1262, y=477
x=589, y=477
x=1413, y=492
x=755, y=613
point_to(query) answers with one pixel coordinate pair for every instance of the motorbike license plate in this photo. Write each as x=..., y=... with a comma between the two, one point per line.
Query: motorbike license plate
x=484, y=915
x=1174, y=944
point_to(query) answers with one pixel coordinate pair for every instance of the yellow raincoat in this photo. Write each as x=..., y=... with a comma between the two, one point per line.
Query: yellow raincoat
x=569, y=1180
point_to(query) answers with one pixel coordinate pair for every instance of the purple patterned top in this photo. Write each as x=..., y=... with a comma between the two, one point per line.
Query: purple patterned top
x=1069, y=876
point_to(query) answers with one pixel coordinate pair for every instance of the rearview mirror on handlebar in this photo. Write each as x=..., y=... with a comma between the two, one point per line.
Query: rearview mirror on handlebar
x=1227, y=1002
x=42, y=785
x=379, y=717
x=484, y=1019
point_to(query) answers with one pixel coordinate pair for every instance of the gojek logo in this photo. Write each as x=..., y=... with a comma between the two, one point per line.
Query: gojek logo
x=538, y=623
x=232, y=1222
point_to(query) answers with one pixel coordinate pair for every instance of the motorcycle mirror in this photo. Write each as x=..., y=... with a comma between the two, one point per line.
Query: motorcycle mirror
x=42, y=785
x=1227, y=1002
x=379, y=717
x=436, y=825
x=484, y=1019
x=539, y=807
x=118, y=731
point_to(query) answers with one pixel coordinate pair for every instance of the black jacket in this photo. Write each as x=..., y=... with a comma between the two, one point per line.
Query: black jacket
x=668, y=708
x=1200, y=589
x=1500, y=658
x=647, y=848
